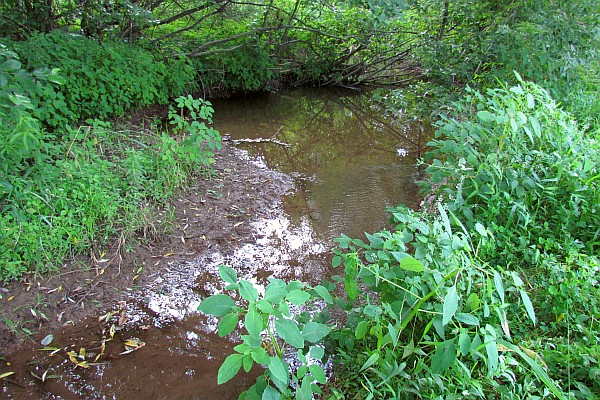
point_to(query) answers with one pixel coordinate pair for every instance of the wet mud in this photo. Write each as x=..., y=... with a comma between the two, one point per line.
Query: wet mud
x=149, y=298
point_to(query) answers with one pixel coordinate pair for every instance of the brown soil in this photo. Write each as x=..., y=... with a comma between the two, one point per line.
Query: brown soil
x=212, y=213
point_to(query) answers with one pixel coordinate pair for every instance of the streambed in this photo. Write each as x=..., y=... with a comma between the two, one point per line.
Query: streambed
x=298, y=169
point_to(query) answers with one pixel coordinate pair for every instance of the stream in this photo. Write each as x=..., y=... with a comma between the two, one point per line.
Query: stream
x=344, y=163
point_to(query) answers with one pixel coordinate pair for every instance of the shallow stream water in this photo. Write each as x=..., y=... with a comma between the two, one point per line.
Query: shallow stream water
x=346, y=161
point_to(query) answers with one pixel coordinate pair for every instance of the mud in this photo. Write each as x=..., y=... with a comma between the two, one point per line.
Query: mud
x=211, y=220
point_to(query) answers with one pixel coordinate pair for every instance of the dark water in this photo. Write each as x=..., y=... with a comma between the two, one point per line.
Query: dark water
x=347, y=162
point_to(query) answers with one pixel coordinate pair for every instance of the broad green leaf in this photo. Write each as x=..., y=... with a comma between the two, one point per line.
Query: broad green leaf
x=336, y=261
x=271, y=393
x=450, y=305
x=304, y=392
x=467, y=319
x=275, y=294
x=260, y=355
x=411, y=264
x=248, y=291
x=297, y=297
x=317, y=372
x=445, y=354
x=229, y=368
x=279, y=370
x=288, y=330
x=473, y=301
x=324, y=294
x=47, y=340
x=228, y=274
x=227, y=324
x=486, y=116
x=247, y=362
x=254, y=323
x=314, y=331
x=536, y=126
x=464, y=342
x=528, y=306
x=265, y=306
x=481, y=229
x=316, y=352
x=361, y=329
x=217, y=305
x=372, y=360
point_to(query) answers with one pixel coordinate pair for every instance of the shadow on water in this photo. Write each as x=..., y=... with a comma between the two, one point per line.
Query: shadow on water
x=347, y=162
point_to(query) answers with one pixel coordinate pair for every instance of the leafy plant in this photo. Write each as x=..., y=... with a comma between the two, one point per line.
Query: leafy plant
x=434, y=322
x=275, y=335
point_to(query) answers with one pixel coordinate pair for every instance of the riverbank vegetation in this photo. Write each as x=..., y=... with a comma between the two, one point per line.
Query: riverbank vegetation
x=490, y=292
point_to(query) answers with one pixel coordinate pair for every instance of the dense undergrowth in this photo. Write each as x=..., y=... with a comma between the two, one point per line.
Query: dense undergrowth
x=69, y=187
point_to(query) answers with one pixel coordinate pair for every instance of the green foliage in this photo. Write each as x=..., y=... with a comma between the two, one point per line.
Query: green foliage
x=521, y=164
x=100, y=80
x=75, y=195
x=436, y=322
x=275, y=335
x=21, y=135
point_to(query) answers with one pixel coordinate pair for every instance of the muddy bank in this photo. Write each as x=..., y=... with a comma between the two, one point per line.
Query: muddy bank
x=213, y=216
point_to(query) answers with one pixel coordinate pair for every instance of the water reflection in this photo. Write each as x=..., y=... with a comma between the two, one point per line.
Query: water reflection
x=350, y=161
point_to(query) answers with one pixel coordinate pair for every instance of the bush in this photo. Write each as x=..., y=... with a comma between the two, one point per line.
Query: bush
x=100, y=80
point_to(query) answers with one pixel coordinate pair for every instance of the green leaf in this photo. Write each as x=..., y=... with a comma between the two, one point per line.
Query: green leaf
x=372, y=360
x=444, y=216
x=336, y=261
x=247, y=362
x=314, y=331
x=467, y=319
x=317, y=372
x=265, y=306
x=499, y=285
x=248, y=291
x=228, y=274
x=444, y=356
x=351, y=287
x=450, y=305
x=47, y=340
x=217, y=305
x=279, y=370
x=528, y=306
x=275, y=294
x=486, y=116
x=324, y=294
x=316, y=352
x=304, y=392
x=361, y=329
x=229, y=368
x=288, y=330
x=297, y=297
x=464, y=342
x=411, y=264
x=260, y=355
x=254, y=323
x=227, y=324
x=473, y=301
x=271, y=393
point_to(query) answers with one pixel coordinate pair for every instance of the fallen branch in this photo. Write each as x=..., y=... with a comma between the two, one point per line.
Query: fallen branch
x=257, y=140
